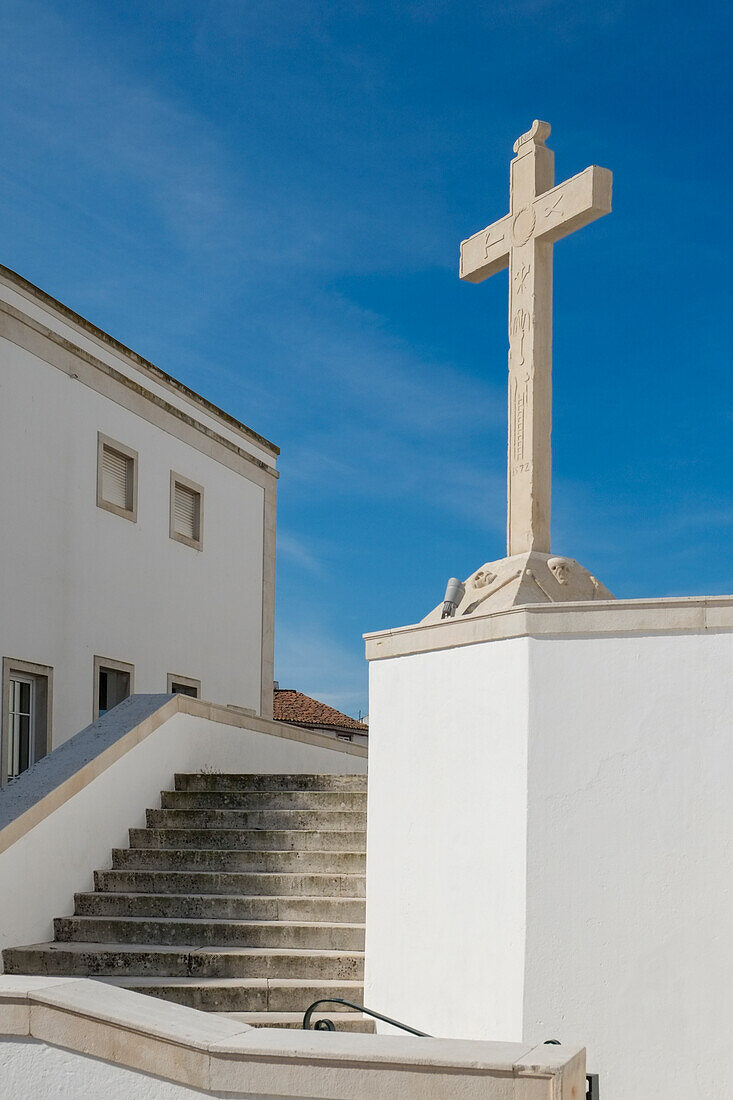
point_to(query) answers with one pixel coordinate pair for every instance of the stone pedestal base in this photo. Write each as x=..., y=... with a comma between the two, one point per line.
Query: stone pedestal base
x=549, y=834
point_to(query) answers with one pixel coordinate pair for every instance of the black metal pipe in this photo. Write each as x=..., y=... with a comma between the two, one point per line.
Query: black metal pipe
x=328, y=1025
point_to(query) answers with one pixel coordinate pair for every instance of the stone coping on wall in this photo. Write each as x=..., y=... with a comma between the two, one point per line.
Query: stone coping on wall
x=217, y=1054
x=667, y=615
x=58, y=776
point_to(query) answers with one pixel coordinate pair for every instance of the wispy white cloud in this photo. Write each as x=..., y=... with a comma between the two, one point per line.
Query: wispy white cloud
x=117, y=126
x=376, y=419
x=353, y=350
x=299, y=553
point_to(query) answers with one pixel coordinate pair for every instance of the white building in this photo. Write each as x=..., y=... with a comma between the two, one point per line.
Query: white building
x=137, y=540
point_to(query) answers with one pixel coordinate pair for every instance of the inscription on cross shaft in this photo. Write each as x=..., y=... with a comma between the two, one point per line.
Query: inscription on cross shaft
x=539, y=214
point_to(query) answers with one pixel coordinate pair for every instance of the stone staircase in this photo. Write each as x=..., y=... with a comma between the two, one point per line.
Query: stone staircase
x=244, y=895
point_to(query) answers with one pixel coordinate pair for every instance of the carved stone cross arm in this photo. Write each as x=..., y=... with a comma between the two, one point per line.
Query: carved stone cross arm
x=558, y=212
x=572, y=204
x=486, y=253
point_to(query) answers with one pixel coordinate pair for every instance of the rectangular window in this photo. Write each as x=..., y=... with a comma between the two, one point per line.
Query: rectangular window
x=184, y=685
x=113, y=682
x=186, y=511
x=116, y=477
x=25, y=730
x=21, y=724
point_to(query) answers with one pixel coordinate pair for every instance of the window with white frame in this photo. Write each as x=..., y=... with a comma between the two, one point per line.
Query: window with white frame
x=186, y=511
x=25, y=730
x=116, y=477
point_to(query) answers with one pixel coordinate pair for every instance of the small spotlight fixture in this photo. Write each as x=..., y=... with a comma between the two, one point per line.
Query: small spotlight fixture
x=454, y=593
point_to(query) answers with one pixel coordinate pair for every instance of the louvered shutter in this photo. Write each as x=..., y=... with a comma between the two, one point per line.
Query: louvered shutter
x=116, y=478
x=186, y=511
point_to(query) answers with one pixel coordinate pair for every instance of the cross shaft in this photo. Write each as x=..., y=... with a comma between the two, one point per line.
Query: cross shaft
x=522, y=240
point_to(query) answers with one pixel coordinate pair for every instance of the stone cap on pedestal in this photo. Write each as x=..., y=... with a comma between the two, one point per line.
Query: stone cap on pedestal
x=666, y=615
x=524, y=579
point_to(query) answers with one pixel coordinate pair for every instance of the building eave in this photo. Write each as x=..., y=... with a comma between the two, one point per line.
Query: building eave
x=148, y=368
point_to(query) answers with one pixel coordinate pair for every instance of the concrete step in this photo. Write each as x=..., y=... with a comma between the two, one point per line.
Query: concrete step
x=263, y=800
x=207, y=859
x=343, y=1021
x=232, y=995
x=159, y=961
x=232, y=782
x=244, y=894
x=220, y=906
x=318, y=820
x=247, y=840
x=210, y=933
x=256, y=883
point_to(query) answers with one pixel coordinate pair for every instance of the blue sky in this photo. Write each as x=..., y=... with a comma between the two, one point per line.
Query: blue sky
x=266, y=199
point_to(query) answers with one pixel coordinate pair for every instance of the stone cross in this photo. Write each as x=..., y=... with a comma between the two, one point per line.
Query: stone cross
x=539, y=215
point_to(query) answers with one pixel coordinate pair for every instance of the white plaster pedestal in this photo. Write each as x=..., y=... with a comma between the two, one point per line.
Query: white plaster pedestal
x=550, y=835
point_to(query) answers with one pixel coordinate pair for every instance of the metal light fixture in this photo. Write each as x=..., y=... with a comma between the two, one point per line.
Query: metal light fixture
x=454, y=593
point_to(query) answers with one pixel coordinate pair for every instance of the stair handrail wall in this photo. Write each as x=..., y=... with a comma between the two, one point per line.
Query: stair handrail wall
x=219, y=1057
x=592, y=1084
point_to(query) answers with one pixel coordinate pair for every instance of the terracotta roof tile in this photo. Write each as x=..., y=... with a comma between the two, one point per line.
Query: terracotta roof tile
x=294, y=706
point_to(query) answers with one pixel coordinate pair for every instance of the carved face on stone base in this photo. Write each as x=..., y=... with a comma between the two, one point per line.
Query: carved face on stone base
x=560, y=569
x=483, y=578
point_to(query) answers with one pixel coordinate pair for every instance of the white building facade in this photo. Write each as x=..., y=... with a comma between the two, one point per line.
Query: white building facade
x=137, y=533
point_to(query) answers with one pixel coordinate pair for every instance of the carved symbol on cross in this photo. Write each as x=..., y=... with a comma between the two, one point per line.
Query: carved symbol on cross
x=553, y=208
x=519, y=403
x=521, y=276
x=520, y=328
x=490, y=242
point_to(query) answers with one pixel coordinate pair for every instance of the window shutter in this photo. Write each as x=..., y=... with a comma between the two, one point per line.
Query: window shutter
x=186, y=511
x=116, y=478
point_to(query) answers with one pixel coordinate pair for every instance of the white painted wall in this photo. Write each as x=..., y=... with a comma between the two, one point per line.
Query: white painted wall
x=76, y=580
x=41, y=871
x=599, y=770
x=30, y=1069
x=630, y=866
x=446, y=840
